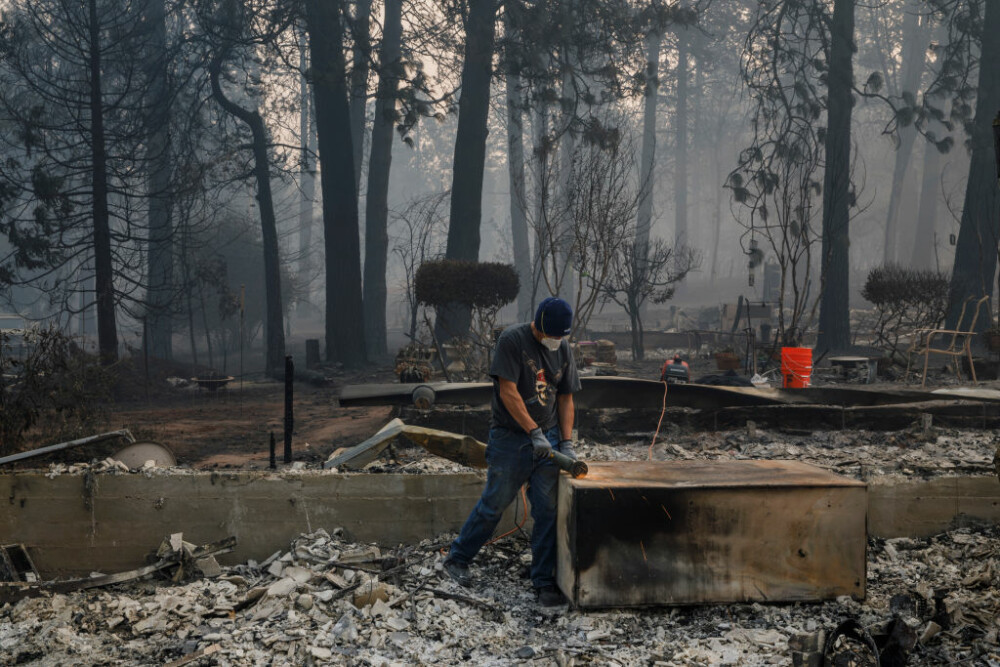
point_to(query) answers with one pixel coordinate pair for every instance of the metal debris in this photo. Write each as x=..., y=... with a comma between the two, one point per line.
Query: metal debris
x=124, y=434
x=174, y=554
x=462, y=449
x=16, y=564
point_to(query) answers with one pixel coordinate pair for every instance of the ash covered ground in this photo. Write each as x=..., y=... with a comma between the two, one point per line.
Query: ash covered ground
x=327, y=601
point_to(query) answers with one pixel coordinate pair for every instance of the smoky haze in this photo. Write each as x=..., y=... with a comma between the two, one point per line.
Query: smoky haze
x=243, y=172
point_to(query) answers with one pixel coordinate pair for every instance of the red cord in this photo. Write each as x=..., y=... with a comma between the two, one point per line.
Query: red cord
x=663, y=411
x=524, y=517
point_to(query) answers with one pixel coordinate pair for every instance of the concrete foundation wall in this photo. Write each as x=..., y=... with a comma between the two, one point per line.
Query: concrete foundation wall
x=922, y=508
x=76, y=524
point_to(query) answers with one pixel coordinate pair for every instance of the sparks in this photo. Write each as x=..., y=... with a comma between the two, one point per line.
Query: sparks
x=666, y=512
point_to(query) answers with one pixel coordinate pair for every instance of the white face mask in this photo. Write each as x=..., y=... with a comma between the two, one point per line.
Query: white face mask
x=551, y=343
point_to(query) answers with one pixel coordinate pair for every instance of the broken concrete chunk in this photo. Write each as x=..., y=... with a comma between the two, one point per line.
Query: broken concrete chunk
x=320, y=653
x=368, y=554
x=209, y=567
x=281, y=588
x=298, y=574
x=380, y=608
x=155, y=623
x=395, y=622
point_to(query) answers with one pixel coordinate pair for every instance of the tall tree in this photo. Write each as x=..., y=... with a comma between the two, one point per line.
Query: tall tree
x=515, y=175
x=834, y=307
x=158, y=185
x=345, y=334
x=798, y=63
x=107, y=327
x=360, y=69
x=915, y=37
x=74, y=89
x=377, y=201
x=273, y=324
x=307, y=177
x=979, y=230
x=681, y=236
x=925, y=237
x=647, y=161
x=465, y=217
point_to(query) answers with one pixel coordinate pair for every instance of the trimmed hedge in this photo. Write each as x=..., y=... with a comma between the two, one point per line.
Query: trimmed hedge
x=476, y=284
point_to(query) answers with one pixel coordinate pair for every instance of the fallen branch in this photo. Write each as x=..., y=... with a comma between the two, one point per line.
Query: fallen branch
x=461, y=598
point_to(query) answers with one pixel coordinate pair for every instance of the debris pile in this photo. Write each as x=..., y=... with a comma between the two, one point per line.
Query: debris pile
x=330, y=601
x=854, y=453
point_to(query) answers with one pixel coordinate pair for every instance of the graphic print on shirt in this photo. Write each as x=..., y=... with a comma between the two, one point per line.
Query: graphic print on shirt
x=544, y=390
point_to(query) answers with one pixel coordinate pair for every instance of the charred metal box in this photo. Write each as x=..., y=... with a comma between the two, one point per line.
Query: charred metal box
x=690, y=532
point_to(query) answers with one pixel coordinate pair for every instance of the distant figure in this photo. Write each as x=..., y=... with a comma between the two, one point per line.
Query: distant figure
x=675, y=371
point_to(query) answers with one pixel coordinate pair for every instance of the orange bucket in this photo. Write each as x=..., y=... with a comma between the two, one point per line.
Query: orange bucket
x=796, y=366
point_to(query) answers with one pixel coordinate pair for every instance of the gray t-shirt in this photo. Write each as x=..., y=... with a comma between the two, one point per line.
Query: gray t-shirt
x=540, y=375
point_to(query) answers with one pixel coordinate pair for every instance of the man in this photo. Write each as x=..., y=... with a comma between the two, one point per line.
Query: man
x=534, y=377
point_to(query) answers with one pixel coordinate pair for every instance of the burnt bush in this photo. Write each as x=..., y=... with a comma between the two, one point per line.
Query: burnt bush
x=487, y=285
x=47, y=381
x=905, y=300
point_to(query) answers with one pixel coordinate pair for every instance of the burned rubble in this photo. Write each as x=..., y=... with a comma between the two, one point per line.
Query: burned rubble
x=327, y=600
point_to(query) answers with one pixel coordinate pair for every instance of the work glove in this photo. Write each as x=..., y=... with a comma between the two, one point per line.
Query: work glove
x=541, y=444
x=566, y=447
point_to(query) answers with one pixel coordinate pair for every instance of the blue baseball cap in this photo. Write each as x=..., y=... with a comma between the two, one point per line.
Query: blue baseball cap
x=554, y=317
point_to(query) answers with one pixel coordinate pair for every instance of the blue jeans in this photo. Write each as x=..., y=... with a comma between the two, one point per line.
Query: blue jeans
x=510, y=464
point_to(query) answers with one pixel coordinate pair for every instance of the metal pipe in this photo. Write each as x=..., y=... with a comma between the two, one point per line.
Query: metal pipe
x=123, y=433
x=289, y=417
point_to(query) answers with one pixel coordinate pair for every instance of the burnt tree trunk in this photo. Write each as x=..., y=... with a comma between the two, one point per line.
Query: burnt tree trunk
x=914, y=46
x=274, y=358
x=644, y=215
x=344, y=312
x=307, y=184
x=470, y=155
x=107, y=328
x=976, y=251
x=359, y=82
x=377, y=201
x=681, y=147
x=834, y=310
x=159, y=165
x=515, y=175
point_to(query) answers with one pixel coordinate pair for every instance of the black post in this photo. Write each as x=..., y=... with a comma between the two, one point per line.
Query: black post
x=289, y=419
x=996, y=148
x=274, y=462
x=145, y=353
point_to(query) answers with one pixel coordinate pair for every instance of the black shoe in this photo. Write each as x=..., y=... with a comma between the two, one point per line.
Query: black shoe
x=550, y=596
x=457, y=571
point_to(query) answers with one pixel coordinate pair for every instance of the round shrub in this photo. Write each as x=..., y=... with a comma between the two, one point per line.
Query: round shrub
x=476, y=284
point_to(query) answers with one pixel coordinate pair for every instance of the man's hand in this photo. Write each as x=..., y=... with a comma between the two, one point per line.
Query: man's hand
x=566, y=447
x=541, y=444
